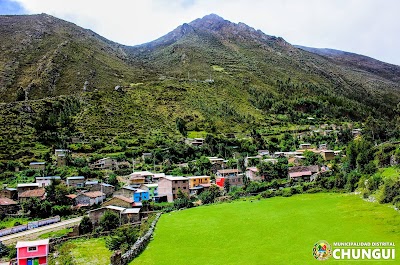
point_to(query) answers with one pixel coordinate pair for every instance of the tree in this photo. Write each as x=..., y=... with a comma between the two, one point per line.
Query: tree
x=227, y=185
x=210, y=195
x=109, y=221
x=123, y=237
x=112, y=180
x=182, y=200
x=3, y=249
x=85, y=226
x=181, y=126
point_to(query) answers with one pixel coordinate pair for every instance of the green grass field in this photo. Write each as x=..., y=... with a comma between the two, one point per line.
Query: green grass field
x=89, y=251
x=269, y=231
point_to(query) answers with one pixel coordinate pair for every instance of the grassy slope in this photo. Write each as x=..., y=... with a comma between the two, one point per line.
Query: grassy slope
x=90, y=251
x=272, y=231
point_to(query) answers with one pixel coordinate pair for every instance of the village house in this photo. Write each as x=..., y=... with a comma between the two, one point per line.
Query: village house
x=104, y=163
x=126, y=215
x=131, y=215
x=8, y=206
x=92, y=183
x=106, y=188
x=61, y=160
x=119, y=200
x=151, y=188
x=198, y=180
x=126, y=191
x=141, y=195
x=157, y=176
x=297, y=159
x=141, y=177
x=227, y=172
x=146, y=156
x=90, y=198
x=328, y=155
x=46, y=181
x=76, y=181
x=58, y=152
x=252, y=174
x=71, y=198
x=305, y=146
x=303, y=173
x=10, y=193
x=170, y=186
x=22, y=187
x=36, y=193
x=37, y=165
x=32, y=252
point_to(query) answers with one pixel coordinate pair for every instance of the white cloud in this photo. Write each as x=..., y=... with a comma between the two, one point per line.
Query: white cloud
x=368, y=27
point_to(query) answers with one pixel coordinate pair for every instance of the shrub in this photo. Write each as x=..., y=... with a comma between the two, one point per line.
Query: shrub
x=109, y=221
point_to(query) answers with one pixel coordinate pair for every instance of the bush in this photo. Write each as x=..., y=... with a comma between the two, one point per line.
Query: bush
x=122, y=238
x=391, y=190
x=109, y=221
x=85, y=226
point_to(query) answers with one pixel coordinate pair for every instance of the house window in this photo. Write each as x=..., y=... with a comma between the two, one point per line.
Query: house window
x=32, y=249
x=173, y=188
x=184, y=188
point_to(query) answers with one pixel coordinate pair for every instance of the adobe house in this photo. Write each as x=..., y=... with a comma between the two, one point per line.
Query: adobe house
x=126, y=215
x=46, y=181
x=90, y=198
x=108, y=189
x=22, y=187
x=37, y=165
x=252, y=174
x=32, y=252
x=126, y=191
x=328, y=155
x=170, y=186
x=8, y=206
x=76, y=181
x=304, y=146
x=119, y=200
x=104, y=163
x=36, y=193
x=10, y=193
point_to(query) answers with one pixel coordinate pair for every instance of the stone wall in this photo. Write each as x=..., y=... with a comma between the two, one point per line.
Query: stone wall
x=123, y=259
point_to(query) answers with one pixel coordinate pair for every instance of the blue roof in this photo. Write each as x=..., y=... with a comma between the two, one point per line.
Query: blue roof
x=37, y=163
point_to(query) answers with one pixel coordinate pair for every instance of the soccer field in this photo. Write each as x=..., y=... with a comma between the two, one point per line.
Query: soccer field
x=270, y=231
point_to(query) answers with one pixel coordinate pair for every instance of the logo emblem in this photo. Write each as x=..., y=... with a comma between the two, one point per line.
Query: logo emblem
x=322, y=250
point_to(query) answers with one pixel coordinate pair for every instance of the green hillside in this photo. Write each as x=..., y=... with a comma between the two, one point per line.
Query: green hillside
x=58, y=80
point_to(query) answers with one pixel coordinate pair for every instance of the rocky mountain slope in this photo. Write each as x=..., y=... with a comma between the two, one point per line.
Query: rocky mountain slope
x=58, y=80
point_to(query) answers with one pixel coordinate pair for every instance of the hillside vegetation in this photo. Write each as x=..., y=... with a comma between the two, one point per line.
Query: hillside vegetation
x=58, y=80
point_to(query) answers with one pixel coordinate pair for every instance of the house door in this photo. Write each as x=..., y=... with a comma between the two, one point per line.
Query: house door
x=36, y=261
x=30, y=262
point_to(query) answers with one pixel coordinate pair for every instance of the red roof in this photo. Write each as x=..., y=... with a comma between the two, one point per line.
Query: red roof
x=7, y=201
x=123, y=198
x=94, y=194
x=33, y=193
x=71, y=196
x=300, y=174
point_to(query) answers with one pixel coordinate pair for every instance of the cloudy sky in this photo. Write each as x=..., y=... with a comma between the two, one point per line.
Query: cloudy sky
x=369, y=27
